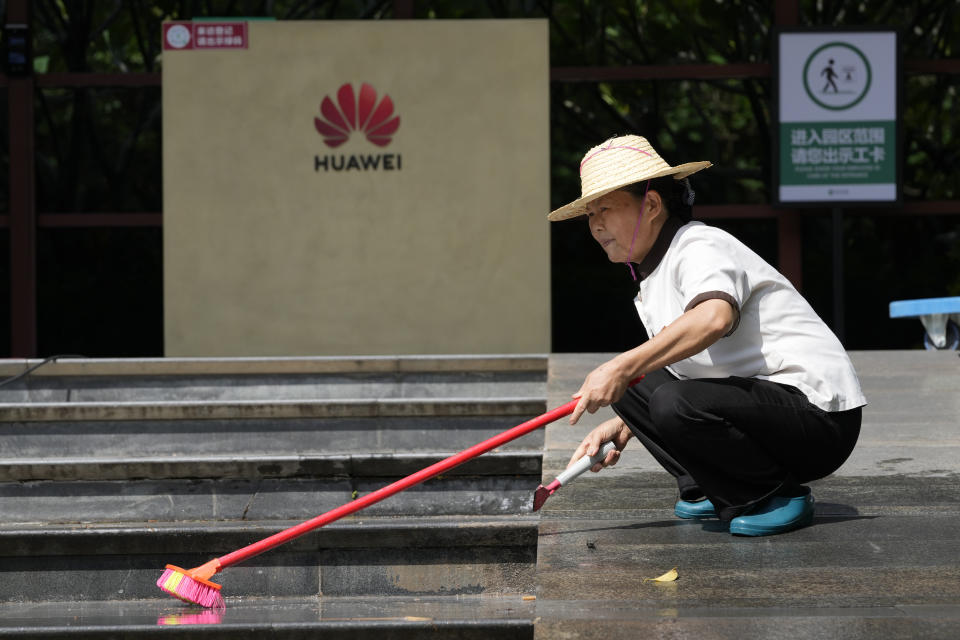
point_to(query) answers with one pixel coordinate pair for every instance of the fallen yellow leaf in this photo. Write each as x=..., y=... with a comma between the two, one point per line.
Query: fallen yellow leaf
x=669, y=576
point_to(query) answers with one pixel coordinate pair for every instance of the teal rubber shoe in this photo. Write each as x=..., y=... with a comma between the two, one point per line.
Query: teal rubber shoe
x=775, y=515
x=700, y=509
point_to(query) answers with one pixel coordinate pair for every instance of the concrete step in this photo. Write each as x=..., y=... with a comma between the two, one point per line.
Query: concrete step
x=253, y=466
x=506, y=617
x=109, y=470
x=72, y=412
x=72, y=430
x=259, y=488
x=270, y=379
x=356, y=556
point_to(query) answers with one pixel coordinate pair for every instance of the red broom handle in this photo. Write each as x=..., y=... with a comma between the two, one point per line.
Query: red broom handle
x=413, y=479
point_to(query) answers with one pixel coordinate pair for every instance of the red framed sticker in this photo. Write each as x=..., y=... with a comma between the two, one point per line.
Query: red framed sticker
x=205, y=35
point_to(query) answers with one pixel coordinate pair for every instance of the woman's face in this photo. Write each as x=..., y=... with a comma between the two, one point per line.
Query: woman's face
x=612, y=219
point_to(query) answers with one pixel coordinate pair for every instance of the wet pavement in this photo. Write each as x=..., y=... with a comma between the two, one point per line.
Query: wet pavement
x=370, y=617
x=881, y=560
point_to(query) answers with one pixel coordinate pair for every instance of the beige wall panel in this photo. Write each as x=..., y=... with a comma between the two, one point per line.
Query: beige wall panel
x=265, y=255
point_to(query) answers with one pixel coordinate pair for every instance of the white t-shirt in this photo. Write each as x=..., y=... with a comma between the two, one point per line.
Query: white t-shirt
x=778, y=336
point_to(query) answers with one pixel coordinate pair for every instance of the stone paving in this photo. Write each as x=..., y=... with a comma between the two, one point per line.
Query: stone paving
x=306, y=618
x=882, y=559
x=111, y=469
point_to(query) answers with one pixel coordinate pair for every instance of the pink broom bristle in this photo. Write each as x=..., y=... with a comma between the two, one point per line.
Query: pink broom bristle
x=206, y=616
x=182, y=586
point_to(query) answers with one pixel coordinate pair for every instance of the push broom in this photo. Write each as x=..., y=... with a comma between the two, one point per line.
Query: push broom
x=194, y=585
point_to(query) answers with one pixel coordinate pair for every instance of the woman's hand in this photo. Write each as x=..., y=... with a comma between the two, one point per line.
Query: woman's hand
x=689, y=334
x=613, y=430
x=602, y=387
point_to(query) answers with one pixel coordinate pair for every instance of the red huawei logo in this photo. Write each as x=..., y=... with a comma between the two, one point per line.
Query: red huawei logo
x=357, y=113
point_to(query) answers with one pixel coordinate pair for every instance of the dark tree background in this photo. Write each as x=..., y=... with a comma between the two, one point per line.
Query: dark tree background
x=99, y=150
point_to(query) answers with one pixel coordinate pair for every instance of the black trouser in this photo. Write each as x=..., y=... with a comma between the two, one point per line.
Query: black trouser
x=736, y=441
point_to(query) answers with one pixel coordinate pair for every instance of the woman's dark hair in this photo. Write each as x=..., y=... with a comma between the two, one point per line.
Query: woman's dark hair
x=677, y=195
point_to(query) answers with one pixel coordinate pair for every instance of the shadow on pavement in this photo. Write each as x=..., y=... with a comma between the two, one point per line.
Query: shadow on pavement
x=826, y=513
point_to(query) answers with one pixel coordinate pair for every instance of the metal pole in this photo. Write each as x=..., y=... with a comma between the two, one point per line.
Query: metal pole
x=23, y=213
x=838, y=253
x=786, y=13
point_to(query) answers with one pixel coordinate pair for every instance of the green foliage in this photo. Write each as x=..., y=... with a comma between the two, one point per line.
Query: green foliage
x=98, y=150
x=630, y=33
x=122, y=36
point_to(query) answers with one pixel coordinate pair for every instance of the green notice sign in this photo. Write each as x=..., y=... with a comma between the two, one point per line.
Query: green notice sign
x=831, y=153
x=837, y=117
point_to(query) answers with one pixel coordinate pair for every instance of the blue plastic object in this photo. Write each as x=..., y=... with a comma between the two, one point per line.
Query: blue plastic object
x=940, y=318
x=924, y=307
x=696, y=510
x=775, y=515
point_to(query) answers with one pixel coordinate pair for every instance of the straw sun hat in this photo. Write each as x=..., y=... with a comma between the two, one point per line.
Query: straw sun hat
x=615, y=164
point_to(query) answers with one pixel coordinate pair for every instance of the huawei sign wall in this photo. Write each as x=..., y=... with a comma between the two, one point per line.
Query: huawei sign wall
x=337, y=188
